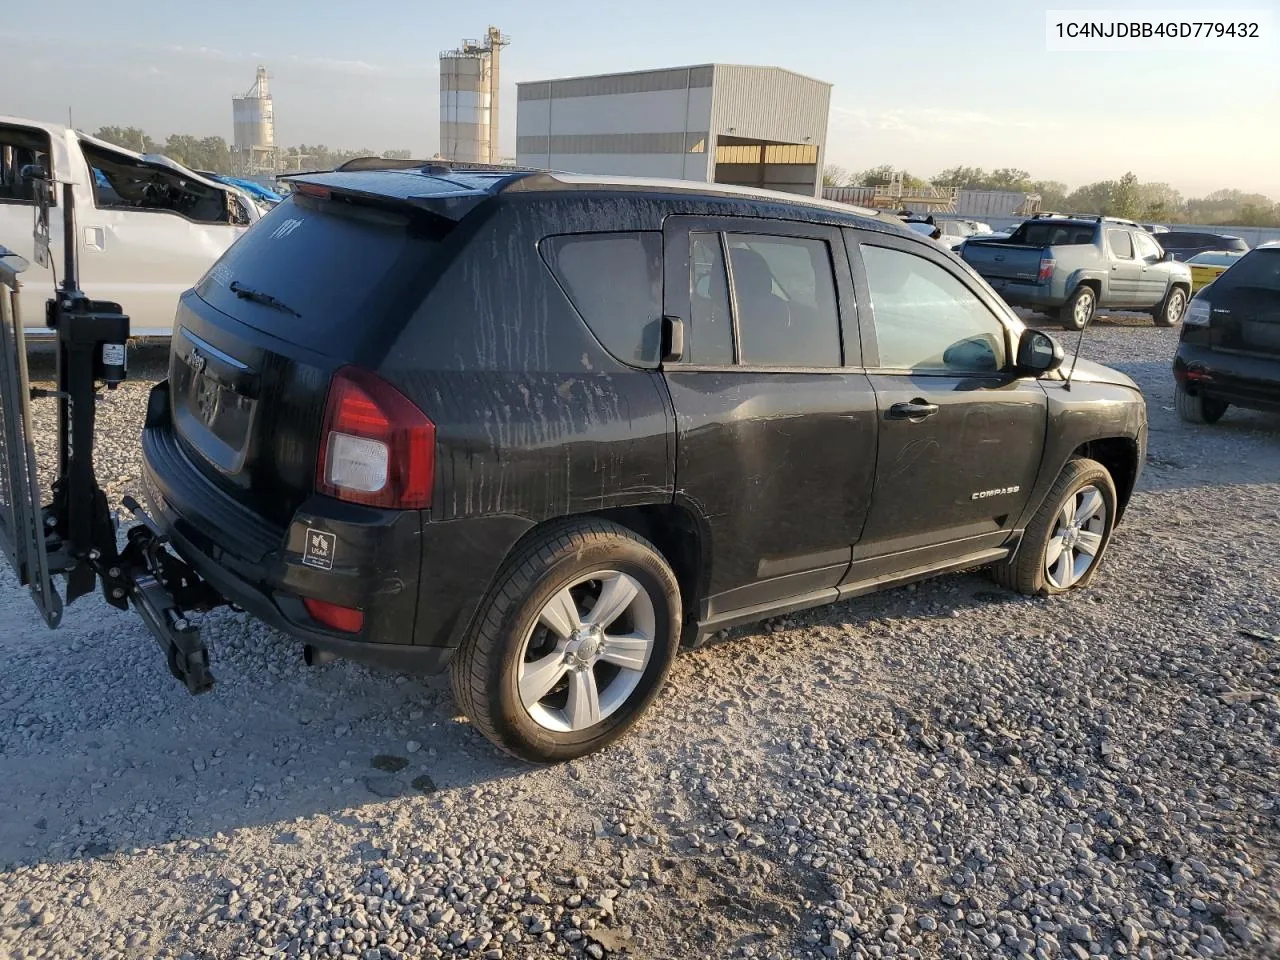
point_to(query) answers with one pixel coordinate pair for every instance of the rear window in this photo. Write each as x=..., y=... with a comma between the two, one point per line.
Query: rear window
x=1259, y=270
x=1051, y=233
x=328, y=265
x=1214, y=259
x=614, y=281
x=1120, y=243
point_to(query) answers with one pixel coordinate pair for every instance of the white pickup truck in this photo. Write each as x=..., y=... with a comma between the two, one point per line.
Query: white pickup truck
x=147, y=228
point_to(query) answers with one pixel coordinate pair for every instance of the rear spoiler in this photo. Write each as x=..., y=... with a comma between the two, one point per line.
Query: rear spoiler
x=436, y=189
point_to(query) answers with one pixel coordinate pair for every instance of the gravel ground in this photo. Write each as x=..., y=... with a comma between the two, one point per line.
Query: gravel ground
x=947, y=770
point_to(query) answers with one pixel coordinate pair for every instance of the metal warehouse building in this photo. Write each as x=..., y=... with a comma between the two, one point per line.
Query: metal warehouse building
x=753, y=126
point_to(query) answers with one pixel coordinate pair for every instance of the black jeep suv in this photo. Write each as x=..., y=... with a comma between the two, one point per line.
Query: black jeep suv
x=544, y=428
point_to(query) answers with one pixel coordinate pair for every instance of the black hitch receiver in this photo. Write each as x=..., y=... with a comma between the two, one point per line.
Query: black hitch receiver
x=164, y=589
x=80, y=533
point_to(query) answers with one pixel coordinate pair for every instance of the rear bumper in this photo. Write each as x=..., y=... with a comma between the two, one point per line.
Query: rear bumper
x=1245, y=381
x=417, y=583
x=1020, y=294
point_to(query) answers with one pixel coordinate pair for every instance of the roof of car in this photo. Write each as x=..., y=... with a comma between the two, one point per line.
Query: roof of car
x=1269, y=245
x=454, y=192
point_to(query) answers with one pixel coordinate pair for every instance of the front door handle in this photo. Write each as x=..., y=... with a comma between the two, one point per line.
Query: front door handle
x=915, y=411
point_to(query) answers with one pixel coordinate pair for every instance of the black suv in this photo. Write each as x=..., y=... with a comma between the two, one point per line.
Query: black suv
x=544, y=428
x=1229, y=352
x=1185, y=244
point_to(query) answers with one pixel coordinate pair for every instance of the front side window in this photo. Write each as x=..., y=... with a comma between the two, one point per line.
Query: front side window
x=926, y=319
x=785, y=296
x=121, y=182
x=1147, y=248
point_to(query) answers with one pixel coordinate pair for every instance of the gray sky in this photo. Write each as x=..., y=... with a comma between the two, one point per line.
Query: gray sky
x=917, y=85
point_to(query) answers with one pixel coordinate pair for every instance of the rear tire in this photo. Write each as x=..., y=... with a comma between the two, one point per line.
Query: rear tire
x=1039, y=567
x=534, y=673
x=1079, y=309
x=1171, y=309
x=1196, y=408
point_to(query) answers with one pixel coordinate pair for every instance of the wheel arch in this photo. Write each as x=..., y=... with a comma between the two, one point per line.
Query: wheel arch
x=680, y=535
x=678, y=532
x=1120, y=456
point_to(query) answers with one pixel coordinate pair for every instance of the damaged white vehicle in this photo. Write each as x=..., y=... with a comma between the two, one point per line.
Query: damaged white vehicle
x=147, y=227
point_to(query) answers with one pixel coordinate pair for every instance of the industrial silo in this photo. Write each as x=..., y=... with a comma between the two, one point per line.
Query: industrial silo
x=469, y=99
x=253, y=128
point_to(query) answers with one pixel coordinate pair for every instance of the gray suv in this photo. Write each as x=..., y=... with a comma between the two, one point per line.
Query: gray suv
x=1072, y=266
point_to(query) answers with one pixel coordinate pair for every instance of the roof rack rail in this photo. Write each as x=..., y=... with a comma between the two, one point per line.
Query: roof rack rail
x=1091, y=217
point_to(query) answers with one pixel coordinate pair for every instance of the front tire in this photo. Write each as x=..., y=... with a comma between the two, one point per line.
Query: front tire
x=1196, y=408
x=1064, y=544
x=1171, y=309
x=571, y=644
x=1079, y=308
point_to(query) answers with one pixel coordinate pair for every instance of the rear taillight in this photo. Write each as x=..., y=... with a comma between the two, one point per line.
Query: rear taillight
x=346, y=619
x=376, y=447
x=1046, y=269
x=1197, y=314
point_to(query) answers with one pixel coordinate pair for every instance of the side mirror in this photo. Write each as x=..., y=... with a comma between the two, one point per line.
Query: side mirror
x=1038, y=352
x=1167, y=258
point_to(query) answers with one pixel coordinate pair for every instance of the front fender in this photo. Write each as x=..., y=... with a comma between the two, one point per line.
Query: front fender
x=1086, y=413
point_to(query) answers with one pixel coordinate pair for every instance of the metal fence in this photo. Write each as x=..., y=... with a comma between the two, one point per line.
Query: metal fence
x=21, y=531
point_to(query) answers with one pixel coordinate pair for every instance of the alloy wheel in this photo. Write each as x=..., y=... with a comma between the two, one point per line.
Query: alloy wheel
x=1077, y=538
x=1083, y=309
x=586, y=652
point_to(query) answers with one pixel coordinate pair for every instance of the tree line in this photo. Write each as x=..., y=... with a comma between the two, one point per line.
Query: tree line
x=214, y=155
x=1127, y=197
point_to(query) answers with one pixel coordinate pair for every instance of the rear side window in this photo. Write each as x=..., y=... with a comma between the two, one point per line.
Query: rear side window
x=331, y=268
x=1051, y=233
x=1259, y=270
x=785, y=296
x=1121, y=244
x=614, y=281
x=709, y=339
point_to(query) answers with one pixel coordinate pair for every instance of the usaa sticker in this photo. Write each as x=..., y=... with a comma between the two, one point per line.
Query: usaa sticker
x=319, y=549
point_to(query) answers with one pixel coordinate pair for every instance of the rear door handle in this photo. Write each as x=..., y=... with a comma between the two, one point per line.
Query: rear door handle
x=915, y=411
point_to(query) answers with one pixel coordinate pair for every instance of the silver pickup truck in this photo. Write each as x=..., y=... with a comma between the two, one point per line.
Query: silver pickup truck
x=1072, y=266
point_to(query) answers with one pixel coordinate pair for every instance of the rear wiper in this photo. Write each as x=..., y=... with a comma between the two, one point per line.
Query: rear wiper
x=266, y=299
